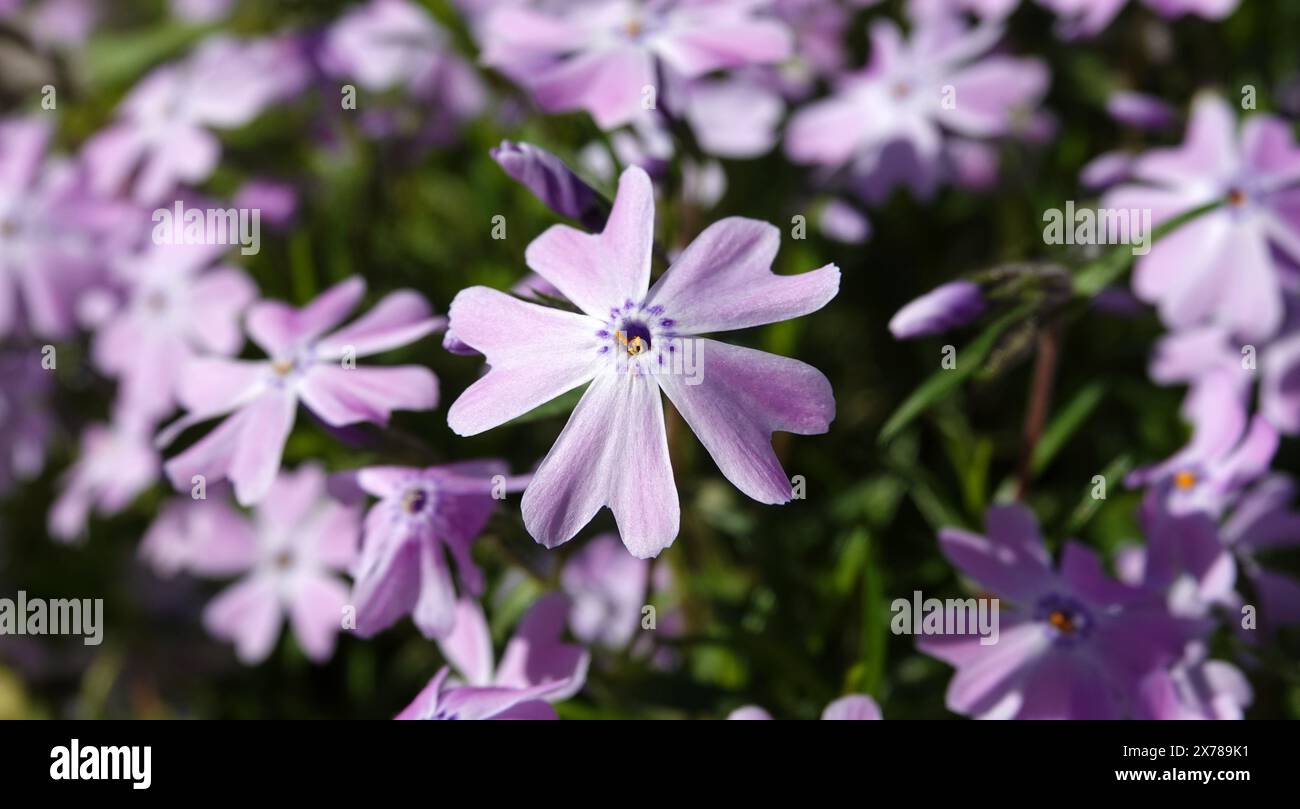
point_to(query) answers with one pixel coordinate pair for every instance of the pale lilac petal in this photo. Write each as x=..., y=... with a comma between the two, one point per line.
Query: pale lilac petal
x=248, y=614
x=264, y=429
x=991, y=93
x=316, y=614
x=724, y=281
x=854, y=706
x=1011, y=561
x=602, y=272
x=740, y=399
x=435, y=607
x=749, y=713
x=536, y=353
x=536, y=654
x=399, y=319
x=387, y=581
x=613, y=452
x=351, y=395
x=468, y=647
x=278, y=328
x=1209, y=149
x=703, y=48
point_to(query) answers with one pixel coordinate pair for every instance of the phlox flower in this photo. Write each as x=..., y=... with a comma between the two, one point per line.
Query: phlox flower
x=1072, y=643
x=1088, y=17
x=536, y=668
x=298, y=542
x=162, y=136
x=1219, y=269
x=203, y=536
x=310, y=359
x=601, y=56
x=177, y=306
x=25, y=421
x=116, y=462
x=627, y=343
x=422, y=516
x=896, y=115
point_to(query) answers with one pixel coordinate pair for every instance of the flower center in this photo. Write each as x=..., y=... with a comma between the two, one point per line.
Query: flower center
x=282, y=367
x=1070, y=621
x=415, y=501
x=636, y=340
x=634, y=27
x=640, y=336
x=283, y=560
x=1236, y=197
x=1185, y=479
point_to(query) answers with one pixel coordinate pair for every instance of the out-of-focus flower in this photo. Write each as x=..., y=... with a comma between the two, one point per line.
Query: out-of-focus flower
x=201, y=11
x=1140, y=110
x=277, y=201
x=54, y=236
x=610, y=588
x=206, y=536
x=844, y=223
x=854, y=706
x=307, y=362
x=422, y=516
x=603, y=56
x=1072, y=644
x=177, y=307
x=25, y=418
x=299, y=541
x=734, y=117
x=1082, y=18
x=912, y=92
x=1227, y=451
x=386, y=44
x=162, y=136
x=552, y=182
x=536, y=668
x=1107, y=169
x=1195, y=688
x=629, y=342
x=943, y=308
x=1262, y=522
x=116, y=463
x=1219, y=268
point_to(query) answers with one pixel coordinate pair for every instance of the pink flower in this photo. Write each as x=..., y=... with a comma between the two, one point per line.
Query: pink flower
x=116, y=463
x=536, y=667
x=854, y=706
x=631, y=341
x=915, y=92
x=163, y=137
x=178, y=306
x=203, y=537
x=298, y=542
x=1219, y=269
x=305, y=363
x=601, y=56
x=422, y=516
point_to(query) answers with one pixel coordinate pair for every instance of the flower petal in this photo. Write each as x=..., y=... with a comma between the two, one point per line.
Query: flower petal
x=351, y=395
x=278, y=328
x=741, y=397
x=401, y=318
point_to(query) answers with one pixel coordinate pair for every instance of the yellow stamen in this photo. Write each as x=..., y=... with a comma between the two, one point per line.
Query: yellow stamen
x=282, y=367
x=634, y=346
x=633, y=27
x=1185, y=480
x=1061, y=621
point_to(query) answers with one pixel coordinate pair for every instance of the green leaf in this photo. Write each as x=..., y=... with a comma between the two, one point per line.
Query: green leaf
x=938, y=386
x=1066, y=424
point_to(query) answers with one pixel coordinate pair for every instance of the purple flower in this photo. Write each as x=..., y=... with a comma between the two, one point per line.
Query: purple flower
x=911, y=93
x=552, y=182
x=1219, y=269
x=943, y=308
x=1088, y=17
x=1072, y=644
x=844, y=223
x=734, y=117
x=299, y=541
x=305, y=362
x=388, y=44
x=115, y=464
x=162, y=136
x=1107, y=169
x=25, y=423
x=53, y=235
x=630, y=341
x=177, y=307
x=536, y=668
x=1140, y=110
x=204, y=537
x=854, y=706
x=1195, y=688
x=601, y=56
x=422, y=515
x=1263, y=522
x=277, y=201
x=1226, y=452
